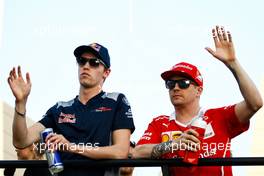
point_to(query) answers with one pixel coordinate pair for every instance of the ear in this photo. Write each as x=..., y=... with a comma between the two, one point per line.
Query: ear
x=199, y=91
x=107, y=72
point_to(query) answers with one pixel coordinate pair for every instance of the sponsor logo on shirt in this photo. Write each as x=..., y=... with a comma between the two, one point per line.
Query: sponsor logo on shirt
x=146, y=136
x=205, y=118
x=166, y=125
x=129, y=113
x=170, y=135
x=208, y=153
x=214, y=148
x=67, y=118
x=102, y=109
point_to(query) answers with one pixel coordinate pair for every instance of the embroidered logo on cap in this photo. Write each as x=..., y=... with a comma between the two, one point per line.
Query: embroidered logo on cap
x=95, y=46
x=183, y=66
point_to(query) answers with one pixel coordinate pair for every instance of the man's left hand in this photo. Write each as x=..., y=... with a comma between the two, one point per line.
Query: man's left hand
x=224, y=48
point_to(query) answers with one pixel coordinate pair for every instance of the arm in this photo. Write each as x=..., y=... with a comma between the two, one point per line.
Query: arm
x=143, y=151
x=127, y=171
x=119, y=149
x=152, y=150
x=22, y=136
x=225, y=52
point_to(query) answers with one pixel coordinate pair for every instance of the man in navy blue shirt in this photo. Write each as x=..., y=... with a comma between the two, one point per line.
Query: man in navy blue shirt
x=93, y=125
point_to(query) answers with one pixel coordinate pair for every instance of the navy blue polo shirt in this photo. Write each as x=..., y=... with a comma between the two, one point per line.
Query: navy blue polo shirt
x=90, y=124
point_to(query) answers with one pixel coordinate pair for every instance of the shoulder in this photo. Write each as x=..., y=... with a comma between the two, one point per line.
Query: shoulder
x=111, y=95
x=116, y=96
x=161, y=119
x=58, y=106
x=221, y=111
x=64, y=104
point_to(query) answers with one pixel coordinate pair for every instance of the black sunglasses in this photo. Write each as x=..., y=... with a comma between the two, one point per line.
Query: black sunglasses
x=182, y=83
x=93, y=62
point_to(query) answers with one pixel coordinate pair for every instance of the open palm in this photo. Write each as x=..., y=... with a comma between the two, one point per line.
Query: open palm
x=18, y=85
x=224, y=49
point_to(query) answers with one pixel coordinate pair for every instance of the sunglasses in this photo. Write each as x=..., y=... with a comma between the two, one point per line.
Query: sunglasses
x=93, y=62
x=182, y=83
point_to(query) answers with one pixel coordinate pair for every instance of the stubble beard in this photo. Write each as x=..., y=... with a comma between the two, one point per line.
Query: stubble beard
x=86, y=85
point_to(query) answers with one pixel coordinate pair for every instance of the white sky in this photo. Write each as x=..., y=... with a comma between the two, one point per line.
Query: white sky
x=144, y=38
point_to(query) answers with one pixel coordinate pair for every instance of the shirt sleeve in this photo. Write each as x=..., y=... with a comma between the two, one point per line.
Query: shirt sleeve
x=123, y=116
x=48, y=119
x=234, y=126
x=151, y=135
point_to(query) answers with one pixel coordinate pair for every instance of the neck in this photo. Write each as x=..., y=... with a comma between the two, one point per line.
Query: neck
x=186, y=113
x=85, y=94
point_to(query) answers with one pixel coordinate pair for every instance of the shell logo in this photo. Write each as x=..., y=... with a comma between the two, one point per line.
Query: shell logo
x=165, y=138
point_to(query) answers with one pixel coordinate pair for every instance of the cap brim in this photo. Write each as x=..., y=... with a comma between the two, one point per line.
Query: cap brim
x=82, y=49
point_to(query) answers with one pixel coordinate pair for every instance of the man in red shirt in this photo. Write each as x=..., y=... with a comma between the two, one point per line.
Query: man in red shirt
x=170, y=136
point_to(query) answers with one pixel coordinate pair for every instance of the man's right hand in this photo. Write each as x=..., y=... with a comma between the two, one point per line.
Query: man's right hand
x=22, y=135
x=18, y=85
x=188, y=141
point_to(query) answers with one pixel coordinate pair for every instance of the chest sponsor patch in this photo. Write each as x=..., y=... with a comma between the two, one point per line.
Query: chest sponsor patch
x=146, y=136
x=102, y=109
x=170, y=135
x=67, y=118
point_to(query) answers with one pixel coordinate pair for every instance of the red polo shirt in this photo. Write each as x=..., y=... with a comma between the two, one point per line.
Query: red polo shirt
x=222, y=126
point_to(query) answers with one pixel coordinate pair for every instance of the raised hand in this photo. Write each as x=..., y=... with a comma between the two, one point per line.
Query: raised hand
x=18, y=85
x=224, y=48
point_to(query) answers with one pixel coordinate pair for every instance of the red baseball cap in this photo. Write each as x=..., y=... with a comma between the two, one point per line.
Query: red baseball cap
x=186, y=70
